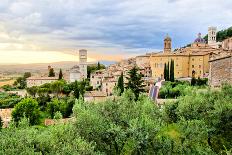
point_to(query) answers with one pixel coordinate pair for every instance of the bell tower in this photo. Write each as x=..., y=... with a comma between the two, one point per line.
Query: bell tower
x=212, y=34
x=83, y=63
x=167, y=44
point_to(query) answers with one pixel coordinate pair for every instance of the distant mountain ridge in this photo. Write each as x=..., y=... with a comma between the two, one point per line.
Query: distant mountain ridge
x=19, y=68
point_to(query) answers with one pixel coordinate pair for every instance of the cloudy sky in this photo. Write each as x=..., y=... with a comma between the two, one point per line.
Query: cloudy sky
x=33, y=31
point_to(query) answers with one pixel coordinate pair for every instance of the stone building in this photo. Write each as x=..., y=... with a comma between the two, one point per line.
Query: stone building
x=38, y=81
x=227, y=44
x=188, y=61
x=79, y=72
x=142, y=60
x=212, y=38
x=220, y=69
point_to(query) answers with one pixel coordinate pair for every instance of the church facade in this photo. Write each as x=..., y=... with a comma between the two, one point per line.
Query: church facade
x=188, y=62
x=79, y=72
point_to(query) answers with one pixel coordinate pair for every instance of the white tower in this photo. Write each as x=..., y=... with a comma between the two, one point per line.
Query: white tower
x=212, y=36
x=83, y=63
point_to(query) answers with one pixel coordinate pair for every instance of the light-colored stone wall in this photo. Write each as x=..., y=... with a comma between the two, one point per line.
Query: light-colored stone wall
x=220, y=71
x=39, y=82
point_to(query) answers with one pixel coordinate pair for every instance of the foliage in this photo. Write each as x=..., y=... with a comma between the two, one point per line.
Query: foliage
x=120, y=84
x=60, y=75
x=1, y=123
x=174, y=89
x=64, y=106
x=165, y=71
x=93, y=68
x=222, y=35
x=172, y=76
x=135, y=82
x=59, y=139
x=29, y=108
x=51, y=73
x=8, y=100
x=8, y=87
x=199, y=81
x=32, y=90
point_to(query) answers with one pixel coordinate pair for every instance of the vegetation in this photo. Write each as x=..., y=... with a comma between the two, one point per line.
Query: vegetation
x=21, y=82
x=135, y=82
x=8, y=100
x=28, y=108
x=51, y=73
x=1, y=123
x=60, y=75
x=197, y=123
x=169, y=71
x=120, y=85
x=93, y=68
x=222, y=35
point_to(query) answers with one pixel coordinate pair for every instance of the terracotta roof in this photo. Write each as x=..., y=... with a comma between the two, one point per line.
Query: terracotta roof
x=95, y=94
x=42, y=78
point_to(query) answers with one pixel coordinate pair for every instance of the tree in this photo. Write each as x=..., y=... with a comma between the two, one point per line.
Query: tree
x=76, y=90
x=193, y=81
x=1, y=123
x=51, y=73
x=120, y=84
x=172, y=72
x=57, y=87
x=27, y=75
x=29, y=108
x=165, y=71
x=135, y=82
x=60, y=75
x=32, y=91
x=98, y=66
x=168, y=73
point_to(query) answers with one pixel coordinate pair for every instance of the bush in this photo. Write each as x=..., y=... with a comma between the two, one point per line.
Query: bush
x=28, y=108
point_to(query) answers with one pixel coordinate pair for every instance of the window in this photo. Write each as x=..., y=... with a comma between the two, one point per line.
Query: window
x=177, y=65
x=192, y=59
x=192, y=66
x=199, y=66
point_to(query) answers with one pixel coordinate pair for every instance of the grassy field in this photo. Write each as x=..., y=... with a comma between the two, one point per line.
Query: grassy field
x=6, y=81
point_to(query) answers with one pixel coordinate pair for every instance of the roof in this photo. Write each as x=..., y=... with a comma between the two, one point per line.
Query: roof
x=95, y=94
x=219, y=58
x=42, y=78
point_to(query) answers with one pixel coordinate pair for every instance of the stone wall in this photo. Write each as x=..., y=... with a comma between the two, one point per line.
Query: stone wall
x=220, y=71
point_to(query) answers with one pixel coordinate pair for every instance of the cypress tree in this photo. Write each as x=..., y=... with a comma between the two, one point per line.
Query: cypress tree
x=51, y=73
x=172, y=78
x=168, y=72
x=60, y=75
x=120, y=84
x=165, y=71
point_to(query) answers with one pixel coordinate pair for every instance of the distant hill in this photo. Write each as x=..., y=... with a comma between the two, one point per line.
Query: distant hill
x=40, y=67
x=222, y=35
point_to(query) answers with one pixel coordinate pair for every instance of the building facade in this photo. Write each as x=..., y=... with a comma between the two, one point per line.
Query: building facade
x=227, y=44
x=220, y=69
x=38, y=81
x=188, y=61
x=79, y=72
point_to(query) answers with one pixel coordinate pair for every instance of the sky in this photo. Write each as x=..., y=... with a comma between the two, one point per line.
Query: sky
x=43, y=31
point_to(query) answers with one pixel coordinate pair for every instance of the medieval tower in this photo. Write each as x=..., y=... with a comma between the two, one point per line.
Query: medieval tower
x=167, y=44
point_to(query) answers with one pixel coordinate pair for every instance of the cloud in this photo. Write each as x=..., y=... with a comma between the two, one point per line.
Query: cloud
x=108, y=26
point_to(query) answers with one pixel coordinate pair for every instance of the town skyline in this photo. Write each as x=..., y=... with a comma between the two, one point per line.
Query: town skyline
x=38, y=32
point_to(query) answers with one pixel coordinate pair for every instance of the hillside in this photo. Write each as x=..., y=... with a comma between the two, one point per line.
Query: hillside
x=221, y=35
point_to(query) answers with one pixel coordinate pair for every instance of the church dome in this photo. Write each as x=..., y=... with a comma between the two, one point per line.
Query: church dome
x=199, y=39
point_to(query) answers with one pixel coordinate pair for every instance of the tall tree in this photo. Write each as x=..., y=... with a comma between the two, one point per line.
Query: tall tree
x=1, y=123
x=168, y=72
x=120, y=84
x=51, y=73
x=165, y=71
x=60, y=75
x=135, y=82
x=98, y=66
x=172, y=73
x=27, y=75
